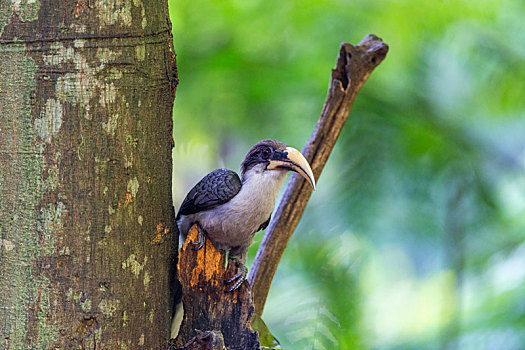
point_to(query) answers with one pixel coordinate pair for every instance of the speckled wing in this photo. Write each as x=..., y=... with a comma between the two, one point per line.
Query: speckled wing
x=216, y=188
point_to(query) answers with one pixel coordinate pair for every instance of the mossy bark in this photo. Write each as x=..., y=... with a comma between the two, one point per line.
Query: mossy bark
x=86, y=233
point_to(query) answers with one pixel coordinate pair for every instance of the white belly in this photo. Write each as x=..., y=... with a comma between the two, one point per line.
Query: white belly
x=234, y=223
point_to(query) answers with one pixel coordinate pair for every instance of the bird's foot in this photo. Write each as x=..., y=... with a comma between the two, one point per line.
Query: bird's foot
x=239, y=277
x=201, y=238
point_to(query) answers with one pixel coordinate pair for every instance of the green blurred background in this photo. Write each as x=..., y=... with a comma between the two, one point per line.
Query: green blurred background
x=415, y=238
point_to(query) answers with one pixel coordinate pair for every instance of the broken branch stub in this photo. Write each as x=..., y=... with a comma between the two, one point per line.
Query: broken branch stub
x=354, y=66
x=207, y=307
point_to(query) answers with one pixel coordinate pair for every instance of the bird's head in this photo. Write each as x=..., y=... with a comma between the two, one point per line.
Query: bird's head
x=272, y=155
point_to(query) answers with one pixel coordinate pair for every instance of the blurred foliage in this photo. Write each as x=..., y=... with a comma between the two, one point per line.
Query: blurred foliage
x=415, y=237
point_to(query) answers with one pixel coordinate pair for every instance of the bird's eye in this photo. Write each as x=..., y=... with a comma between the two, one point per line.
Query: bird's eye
x=266, y=153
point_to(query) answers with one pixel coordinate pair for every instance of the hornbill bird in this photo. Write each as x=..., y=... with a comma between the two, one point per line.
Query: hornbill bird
x=229, y=210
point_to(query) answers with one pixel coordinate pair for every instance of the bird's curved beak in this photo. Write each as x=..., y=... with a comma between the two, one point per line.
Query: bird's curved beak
x=292, y=159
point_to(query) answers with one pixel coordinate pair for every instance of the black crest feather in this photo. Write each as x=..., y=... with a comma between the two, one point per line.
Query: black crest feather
x=254, y=154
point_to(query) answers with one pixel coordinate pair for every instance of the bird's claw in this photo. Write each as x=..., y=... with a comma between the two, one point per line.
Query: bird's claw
x=239, y=277
x=199, y=243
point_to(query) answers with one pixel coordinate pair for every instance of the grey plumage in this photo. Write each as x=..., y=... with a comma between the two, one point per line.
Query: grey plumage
x=216, y=188
x=231, y=209
x=232, y=224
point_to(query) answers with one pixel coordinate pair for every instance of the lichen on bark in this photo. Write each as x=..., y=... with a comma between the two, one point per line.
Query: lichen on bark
x=24, y=231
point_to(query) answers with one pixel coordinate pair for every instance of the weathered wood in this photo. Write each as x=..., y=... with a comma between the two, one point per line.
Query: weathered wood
x=207, y=307
x=354, y=66
x=209, y=340
x=86, y=98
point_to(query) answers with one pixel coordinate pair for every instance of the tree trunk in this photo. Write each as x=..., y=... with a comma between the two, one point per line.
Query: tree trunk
x=86, y=97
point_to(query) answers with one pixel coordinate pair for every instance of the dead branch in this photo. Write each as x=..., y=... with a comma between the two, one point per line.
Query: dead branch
x=354, y=66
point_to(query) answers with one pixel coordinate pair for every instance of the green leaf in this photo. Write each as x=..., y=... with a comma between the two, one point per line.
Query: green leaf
x=267, y=340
